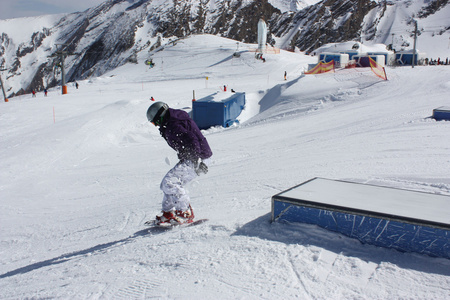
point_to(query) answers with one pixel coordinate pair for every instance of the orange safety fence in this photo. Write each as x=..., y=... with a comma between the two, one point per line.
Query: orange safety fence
x=377, y=69
x=321, y=68
x=266, y=50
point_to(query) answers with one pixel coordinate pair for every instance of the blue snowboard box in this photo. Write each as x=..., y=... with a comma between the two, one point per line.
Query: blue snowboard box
x=442, y=113
x=218, y=109
x=408, y=221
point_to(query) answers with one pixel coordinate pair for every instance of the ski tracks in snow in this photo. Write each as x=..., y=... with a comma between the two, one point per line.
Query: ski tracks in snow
x=298, y=275
x=138, y=289
x=316, y=269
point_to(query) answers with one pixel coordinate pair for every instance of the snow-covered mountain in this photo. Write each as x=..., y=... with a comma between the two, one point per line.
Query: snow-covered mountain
x=113, y=33
x=80, y=174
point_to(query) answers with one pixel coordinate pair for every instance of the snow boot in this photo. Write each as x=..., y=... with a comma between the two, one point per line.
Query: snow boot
x=169, y=218
x=187, y=216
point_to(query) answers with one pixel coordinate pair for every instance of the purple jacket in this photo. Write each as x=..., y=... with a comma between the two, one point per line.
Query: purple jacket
x=183, y=135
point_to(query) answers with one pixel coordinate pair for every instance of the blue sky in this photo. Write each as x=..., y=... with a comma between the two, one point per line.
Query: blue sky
x=28, y=8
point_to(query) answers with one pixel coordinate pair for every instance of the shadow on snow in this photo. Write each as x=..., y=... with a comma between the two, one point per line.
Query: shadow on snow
x=312, y=235
x=96, y=249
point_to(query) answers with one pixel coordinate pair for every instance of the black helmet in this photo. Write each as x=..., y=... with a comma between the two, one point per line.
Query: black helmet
x=156, y=112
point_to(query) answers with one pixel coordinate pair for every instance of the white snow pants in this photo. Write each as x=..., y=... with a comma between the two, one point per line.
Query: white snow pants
x=173, y=186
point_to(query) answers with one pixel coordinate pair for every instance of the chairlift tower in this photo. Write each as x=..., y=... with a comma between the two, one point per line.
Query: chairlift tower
x=3, y=86
x=62, y=53
x=415, y=41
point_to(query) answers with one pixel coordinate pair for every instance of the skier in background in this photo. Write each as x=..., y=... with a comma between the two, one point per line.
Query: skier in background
x=184, y=136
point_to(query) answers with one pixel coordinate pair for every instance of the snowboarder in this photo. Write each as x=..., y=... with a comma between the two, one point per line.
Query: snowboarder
x=285, y=75
x=33, y=93
x=45, y=92
x=184, y=136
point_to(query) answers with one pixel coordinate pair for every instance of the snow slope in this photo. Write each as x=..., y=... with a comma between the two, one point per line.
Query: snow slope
x=80, y=175
x=396, y=27
x=292, y=5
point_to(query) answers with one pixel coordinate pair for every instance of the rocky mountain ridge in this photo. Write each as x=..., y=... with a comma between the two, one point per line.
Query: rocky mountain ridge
x=111, y=34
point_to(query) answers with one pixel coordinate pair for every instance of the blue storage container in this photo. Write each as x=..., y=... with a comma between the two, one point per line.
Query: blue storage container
x=406, y=58
x=350, y=53
x=340, y=59
x=442, y=113
x=215, y=111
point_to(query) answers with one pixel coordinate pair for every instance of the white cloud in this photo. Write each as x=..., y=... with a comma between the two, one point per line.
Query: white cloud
x=26, y=8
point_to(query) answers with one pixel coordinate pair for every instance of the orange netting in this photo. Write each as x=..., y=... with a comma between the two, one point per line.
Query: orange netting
x=266, y=50
x=321, y=68
x=377, y=69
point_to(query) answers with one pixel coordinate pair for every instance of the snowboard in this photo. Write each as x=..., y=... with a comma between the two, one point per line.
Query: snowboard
x=153, y=223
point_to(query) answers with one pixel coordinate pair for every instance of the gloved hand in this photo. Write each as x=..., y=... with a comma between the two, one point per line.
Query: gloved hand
x=201, y=168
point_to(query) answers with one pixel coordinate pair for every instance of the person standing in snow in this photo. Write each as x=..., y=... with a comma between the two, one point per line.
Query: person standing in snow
x=183, y=135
